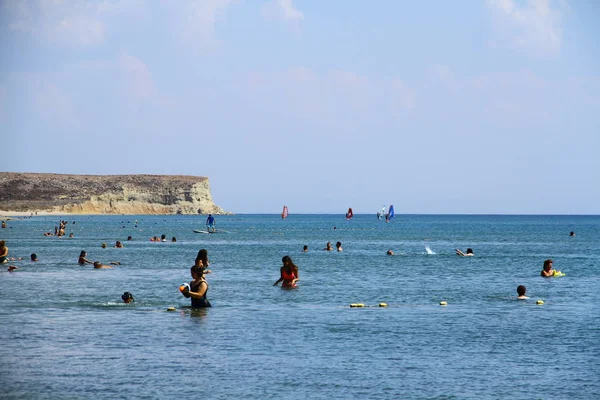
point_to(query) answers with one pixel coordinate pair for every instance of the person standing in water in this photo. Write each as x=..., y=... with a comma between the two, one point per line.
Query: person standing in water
x=3, y=252
x=201, y=261
x=82, y=260
x=289, y=274
x=521, y=290
x=210, y=223
x=197, y=289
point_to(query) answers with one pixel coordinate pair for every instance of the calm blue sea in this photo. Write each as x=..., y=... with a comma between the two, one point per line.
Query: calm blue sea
x=67, y=335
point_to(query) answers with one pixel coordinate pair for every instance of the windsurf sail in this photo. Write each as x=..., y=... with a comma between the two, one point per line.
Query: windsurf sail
x=284, y=213
x=381, y=214
x=349, y=214
x=390, y=214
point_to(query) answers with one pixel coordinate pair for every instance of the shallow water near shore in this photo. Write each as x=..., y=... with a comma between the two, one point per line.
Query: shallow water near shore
x=67, y=334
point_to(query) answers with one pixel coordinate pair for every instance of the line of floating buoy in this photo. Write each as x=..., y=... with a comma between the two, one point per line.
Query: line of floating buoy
x=170, y=308
x=361, y=305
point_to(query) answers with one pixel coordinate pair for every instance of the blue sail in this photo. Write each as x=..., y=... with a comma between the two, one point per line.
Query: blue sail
x=391, y=212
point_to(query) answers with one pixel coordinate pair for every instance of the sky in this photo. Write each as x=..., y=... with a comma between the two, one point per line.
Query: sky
x=437, y=107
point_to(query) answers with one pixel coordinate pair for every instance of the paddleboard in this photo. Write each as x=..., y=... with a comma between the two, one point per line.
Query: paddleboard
x=202, y=231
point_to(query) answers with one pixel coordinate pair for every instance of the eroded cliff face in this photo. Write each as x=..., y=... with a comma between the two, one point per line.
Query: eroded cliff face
x=106, y=194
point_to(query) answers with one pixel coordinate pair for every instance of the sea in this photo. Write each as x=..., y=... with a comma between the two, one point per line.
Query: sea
x=66, y=334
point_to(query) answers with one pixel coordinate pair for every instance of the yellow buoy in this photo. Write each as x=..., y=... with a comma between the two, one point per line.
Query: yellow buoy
x=539, y=302
x=443, y=303
x=353, y=305
x=382, y=304
x=170, y=308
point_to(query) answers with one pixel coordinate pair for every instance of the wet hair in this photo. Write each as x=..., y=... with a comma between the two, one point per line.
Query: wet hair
x=103, y=245
x=521, y=290
x=163, y=236
x=127, y=297
x=203, y=255
x=197, y=270
x=82, y=254
x=338, y=244
x=547, y=262
x=469, y=251
x=97, y=264
x=287, y=261
x=129, y=238
x=2, y=243
x=33, y=257
x=572, y=233
x=305, y=247
x=389, y=252
x=174, y=239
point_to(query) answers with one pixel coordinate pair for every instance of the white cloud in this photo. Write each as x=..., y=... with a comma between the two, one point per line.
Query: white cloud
x=283, y=10
x=533, y=26
x=73, y=23
x=201, y=18
x=141, y=84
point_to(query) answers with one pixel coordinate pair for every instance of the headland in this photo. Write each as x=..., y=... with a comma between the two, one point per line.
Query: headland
x=48, y=194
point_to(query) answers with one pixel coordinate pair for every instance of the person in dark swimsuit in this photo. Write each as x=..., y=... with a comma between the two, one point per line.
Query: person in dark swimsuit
x=198, y=289
x=289, y=274
x=82, y=260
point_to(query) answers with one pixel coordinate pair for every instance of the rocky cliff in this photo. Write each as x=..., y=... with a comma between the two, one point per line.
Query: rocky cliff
x=106, y=194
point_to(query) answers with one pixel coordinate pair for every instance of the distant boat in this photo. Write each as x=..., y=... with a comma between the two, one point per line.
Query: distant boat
x=390, y=214
x=284, y=213
x=381, y=214
x=349, y=214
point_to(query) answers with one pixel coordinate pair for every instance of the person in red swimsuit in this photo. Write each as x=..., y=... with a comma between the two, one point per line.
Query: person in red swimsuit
x=289, y=274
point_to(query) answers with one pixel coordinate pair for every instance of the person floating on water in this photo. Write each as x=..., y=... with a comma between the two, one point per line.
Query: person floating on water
x=571, y=233
x=289, y=274
x=33, y=257
x=469, y=252
x=328, y=247
x=197, y=289
x=210, y=223
x=99, y=265
x=305, y=249
x=390, y=252
x=521, y=292
x=338, y=246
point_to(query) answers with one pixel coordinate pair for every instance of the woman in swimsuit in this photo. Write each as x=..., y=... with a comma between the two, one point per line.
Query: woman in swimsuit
x=547, y=272
x=328, y=247
x=3, y=252
x=197, y=289
x=202, y=261
x=289, y=274
x=82, y=260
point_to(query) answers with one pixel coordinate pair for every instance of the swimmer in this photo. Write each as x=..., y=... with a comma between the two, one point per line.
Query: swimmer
x=129, y=238
x=103, y=245
x=34, y=257
x=82, y=260
x=547, y=272
x=163, y=238
x=521, y=292
x=127, y=297
x=289, y=274
x=469, y=252
x=390, y=252
x=118, y=245
x=71, y=235
x=305, y=249
x=173, y=239
x=338, y=246
x=571, y=233
x=202, y=262
x=328, y=247
x=12, y=268
x=197, y=289
x=99, y=265
x=3, y=252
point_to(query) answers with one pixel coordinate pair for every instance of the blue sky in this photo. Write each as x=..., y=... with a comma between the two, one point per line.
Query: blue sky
x=436, y=107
